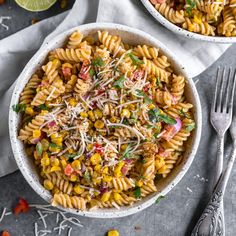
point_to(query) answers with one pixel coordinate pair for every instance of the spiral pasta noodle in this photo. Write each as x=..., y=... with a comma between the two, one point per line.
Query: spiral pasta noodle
x=104, y=121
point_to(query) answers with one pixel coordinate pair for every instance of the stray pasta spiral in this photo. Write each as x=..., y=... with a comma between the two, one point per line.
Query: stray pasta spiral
x=104, y=120
x=200, y=16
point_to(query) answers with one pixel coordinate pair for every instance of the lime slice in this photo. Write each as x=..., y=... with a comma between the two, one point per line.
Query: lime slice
x=35, y=5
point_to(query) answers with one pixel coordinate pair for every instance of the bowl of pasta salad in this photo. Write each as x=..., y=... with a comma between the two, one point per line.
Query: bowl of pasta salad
x=103, y=121
x=206, y=20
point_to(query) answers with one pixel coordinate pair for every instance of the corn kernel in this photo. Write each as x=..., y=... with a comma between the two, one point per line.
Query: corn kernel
x=113, y=119
x=162, y=170
x=131, y=107
x=139, y=183
x=95, y=158
x=107, y=178
x=55, y=168
x=91, y=116
x=105, y=170
x=36, y=133
x=99, y=124
x=71, y=150
x=125, y=113
x=105, y=197
x=97, y=181
x=117, y=196
x=56, y=63
x=45, y=161
x=55, y=190
x=73, y=178
x=117, y=170
x=29, y=111
x=83, y=114
x=98, y=113
x=48, y=184
x=73, y=102
x=159, y=163
x=151, y=106
x=113, y=233
x=123, y=147
x=78, y=189
x=55, y=162
x=54, y=149
x=63, y=163
x=76, y=165
x=97, y=167
x=191, y=27
x=89, y=147
x=197, y=20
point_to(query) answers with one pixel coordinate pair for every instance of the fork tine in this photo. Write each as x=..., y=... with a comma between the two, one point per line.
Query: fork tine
x=222, y=85
x=213, y=106
x=228, y=91
x=230, y=109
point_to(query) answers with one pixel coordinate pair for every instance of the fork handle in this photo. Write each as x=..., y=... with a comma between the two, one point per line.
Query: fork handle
x=206, y=225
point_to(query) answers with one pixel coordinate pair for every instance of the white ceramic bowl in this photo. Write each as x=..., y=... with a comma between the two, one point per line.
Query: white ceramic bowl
x=158, y=16
x=132, y=36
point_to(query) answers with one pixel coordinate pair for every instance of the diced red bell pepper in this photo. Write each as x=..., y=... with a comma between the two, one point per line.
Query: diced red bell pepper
x=21, y=207
x=99, y=148
x=147, y=87
x=5, y=233
x=68, y=170
x=138, y=74
x=84, y=71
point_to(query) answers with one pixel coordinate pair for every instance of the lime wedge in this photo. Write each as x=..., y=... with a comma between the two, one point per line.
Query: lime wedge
x=35, y=5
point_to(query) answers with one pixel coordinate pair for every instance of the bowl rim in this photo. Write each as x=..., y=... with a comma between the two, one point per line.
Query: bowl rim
x=13, y=121
x=176, y=29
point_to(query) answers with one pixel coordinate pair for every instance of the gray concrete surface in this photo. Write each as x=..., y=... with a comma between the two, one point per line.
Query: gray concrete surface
x=175, y=215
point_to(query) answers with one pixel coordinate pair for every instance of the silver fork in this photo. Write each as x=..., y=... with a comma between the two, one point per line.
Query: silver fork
x=211, y=222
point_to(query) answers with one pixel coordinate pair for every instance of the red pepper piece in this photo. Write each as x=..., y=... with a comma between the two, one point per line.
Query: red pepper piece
x=22, y=206
x=5, y=233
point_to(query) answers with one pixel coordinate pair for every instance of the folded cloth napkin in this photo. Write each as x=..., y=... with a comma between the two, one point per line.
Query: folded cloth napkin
x=17, y=49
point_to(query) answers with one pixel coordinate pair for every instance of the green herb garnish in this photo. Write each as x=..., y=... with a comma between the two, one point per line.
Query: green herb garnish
x=72, y=155
x=190, y=127
x=87, y=176
x=191, y=4
x=159, y=199
x=53, y=145
x=135, y=59
x=19, y=108
x=98, y=62
x=137, y=192
x=144, y=95
x=156, y=116
x=39, y=149
x=42, y=107
x=119, y=83
x=158, y=83
x=91, y=72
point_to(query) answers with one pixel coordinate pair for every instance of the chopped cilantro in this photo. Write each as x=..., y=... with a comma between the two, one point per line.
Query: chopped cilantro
x=53, y=145
x=158, y=83
x=191, y=4
x=119, y=83
x=144, y=95
x=159, y=199
x=126, y=154
x=42, y=107
x=190, y=127
x=72, y=155
x=137, y=192
x=19, y=108
x=155, y=116
x=87, y=176
x=125, y=121
x=135, y=59
x=98, y=62
x=39, y=148
x=91, y=72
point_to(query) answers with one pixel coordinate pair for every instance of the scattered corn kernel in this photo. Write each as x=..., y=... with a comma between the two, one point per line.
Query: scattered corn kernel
x=89, y=147
x=107, y=178
x=91, y=116
x=151, y=106
x=99, y=124
x=197, y=20
x=56, y=63
x=139, y=183
x=162, y=170
x=73, y=102
x=113, y=233
x=78, y=189
x=48, y=184
x=55, y=162
x=125, y=113
x=123, y=147
x=76, y=165
x=97, y=167
x=36, y=133
x=63, y=163
x=159, y=163
x=106, y=196
x=83, y=114
x=117, y=196
x=105, y=170
x=131, y=107
x=45, y=161
x=73, y=178
x=117, y=170
x=95, y=158
x=55, y=168
x=98, y=113
x=113, y=119
x=29, y=111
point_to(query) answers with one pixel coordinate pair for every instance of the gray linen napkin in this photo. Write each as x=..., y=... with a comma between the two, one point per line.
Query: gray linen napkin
x=17, y=49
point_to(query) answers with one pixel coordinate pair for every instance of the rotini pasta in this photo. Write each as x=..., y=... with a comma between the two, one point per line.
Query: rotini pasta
x=102, y=119
x=200, y=16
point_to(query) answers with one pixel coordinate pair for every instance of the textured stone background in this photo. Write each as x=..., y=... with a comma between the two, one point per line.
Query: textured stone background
x=173, y=216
